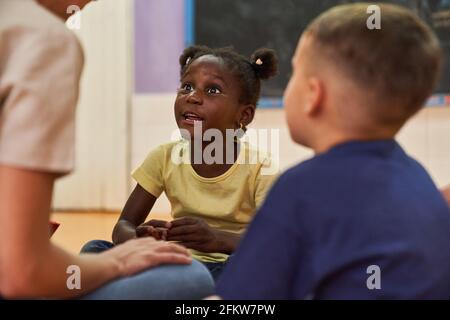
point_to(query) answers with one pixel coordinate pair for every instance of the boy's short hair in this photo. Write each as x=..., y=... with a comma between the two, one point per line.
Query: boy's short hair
x=399, y=64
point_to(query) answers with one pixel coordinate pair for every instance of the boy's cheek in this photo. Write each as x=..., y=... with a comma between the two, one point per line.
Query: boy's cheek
x=292, y=99
x=294, y=113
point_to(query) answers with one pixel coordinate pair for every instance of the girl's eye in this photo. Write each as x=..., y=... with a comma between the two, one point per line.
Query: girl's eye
x=214, y=90
x=186, y=87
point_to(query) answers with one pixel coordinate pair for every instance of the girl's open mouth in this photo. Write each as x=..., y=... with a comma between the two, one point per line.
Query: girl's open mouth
x=191, y=117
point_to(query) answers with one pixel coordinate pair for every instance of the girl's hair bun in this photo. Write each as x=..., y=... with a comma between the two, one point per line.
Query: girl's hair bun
x=192, y=52
x=265, y=63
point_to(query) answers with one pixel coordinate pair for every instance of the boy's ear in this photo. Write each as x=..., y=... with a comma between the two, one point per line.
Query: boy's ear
x=315, y=97
x=247, y=114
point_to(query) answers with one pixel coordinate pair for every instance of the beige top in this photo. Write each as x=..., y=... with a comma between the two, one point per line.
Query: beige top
x=40, y=68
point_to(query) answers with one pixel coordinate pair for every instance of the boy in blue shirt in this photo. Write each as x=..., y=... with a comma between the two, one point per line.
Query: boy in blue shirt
x=361, y=219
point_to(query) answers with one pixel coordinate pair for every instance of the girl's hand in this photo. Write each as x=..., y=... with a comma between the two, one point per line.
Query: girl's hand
x=195, y=233
x=137, y=255
x=153, y=228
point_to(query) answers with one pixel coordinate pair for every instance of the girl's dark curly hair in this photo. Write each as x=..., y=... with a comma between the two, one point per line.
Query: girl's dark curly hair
x=263, y=64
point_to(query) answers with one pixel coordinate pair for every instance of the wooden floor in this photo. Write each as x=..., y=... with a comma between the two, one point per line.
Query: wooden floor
x=79, y=227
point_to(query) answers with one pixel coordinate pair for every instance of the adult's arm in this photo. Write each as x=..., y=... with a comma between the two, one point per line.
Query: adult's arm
x=31, y=266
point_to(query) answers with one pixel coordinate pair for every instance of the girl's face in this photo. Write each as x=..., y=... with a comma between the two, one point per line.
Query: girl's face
x=208, y=95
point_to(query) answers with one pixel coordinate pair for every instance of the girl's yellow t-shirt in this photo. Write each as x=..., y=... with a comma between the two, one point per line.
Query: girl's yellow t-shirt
x=227, y=202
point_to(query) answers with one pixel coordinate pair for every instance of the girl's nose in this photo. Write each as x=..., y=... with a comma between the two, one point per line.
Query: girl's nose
x=195, y=97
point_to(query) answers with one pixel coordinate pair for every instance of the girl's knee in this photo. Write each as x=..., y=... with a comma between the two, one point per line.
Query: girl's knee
x=192, y=281
x=202, y=274
x=96, y=246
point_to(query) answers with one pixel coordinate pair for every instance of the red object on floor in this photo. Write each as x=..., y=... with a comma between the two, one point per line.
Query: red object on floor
x=53, y=226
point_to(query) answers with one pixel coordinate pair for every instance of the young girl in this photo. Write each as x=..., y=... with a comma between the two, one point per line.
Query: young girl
x=212, y=201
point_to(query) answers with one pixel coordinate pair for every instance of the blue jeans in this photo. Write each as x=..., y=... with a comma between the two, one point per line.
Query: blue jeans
x=97, y=246
x=166, y=282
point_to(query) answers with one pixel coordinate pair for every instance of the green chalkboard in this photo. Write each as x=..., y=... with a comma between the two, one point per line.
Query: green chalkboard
x=250, y=24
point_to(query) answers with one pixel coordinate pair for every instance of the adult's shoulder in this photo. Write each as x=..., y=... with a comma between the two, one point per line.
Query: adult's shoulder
x=25, y=25
x=28, y=13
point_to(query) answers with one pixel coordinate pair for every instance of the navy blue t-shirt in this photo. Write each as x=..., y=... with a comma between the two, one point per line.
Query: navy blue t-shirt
x=362, y=215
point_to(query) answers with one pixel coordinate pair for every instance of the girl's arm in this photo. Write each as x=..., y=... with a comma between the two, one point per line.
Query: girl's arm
x=227, y=241
x=133, y=215
x=32, y=267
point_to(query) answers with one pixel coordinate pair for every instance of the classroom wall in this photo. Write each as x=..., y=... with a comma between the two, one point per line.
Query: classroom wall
x=426, y=137
x=101, y=177
x=126, y=106
x=156, y=79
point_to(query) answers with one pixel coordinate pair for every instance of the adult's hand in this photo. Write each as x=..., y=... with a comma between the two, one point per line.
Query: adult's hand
x=137, y=255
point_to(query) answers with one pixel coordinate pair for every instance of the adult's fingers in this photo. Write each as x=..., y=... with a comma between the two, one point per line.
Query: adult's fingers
x=172, y=247
x=139, y=242
x=143, y=261
x=170, y=257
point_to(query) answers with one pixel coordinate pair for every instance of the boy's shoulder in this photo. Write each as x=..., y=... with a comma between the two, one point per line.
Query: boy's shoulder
x=305, y=169
x=343, y=159
x=347, y=167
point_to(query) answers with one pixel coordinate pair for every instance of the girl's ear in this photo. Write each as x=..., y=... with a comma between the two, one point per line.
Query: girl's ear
x=246, y=114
